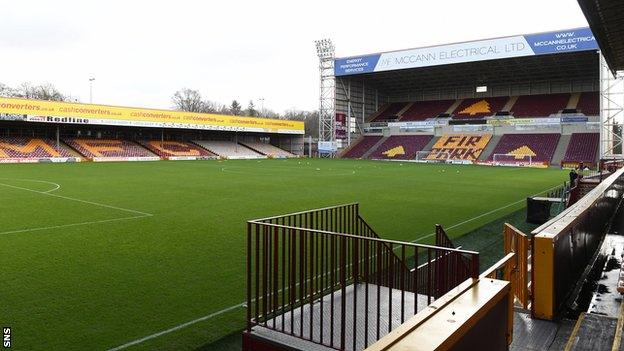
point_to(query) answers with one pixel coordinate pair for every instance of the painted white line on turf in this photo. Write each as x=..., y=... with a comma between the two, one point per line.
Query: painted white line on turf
x=56, y=185
x=170, y=330
x=70, y=225
x=482, y=215
x=77, y=200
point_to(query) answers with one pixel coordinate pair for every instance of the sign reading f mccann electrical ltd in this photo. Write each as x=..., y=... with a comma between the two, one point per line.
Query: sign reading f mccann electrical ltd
x=490, y=49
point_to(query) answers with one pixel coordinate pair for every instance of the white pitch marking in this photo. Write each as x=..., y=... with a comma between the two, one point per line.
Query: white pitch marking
x=71, y=225
x=78, y=200
x=178, y=327
x=56, y=185
x=483, y=215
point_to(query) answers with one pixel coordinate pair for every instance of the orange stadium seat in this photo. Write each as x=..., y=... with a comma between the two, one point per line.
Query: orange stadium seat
x=464, y=147
x=175, y=148
x=108, y=148
x=31, y=148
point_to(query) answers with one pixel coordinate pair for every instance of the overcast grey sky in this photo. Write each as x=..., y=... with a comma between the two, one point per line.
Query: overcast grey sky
x=141, y=52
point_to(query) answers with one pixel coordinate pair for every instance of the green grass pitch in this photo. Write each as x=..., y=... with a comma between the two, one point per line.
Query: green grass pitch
x=94, y=256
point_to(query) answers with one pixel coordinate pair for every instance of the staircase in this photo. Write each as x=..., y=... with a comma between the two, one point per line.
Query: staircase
x=560, y=151
x=372, y=149
x=430, y=144
x=490, y=147
x=573, y=102
x=323, y=279
x=510, y=103
x=454, y=106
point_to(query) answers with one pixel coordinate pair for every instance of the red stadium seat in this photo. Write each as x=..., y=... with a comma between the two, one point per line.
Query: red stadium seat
x=422, y=110
x=589, y=104
x=364, y=145
x=541, y=147
x=582, y=148
x=401, y=147
x=542, y=105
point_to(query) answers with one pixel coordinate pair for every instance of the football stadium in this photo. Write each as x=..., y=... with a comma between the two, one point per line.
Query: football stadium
x=461, y=196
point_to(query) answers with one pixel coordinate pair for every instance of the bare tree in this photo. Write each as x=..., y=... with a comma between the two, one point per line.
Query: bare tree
x=309, y=118
x=191, y=101
x=45, y=91
x=6, y=91
x=188, y=100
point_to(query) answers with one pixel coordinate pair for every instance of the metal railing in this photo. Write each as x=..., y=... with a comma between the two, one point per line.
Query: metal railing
x=326, y=277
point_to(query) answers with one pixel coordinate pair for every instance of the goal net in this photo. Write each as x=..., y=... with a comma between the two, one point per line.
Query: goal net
x=512, y=160
x=422, y=156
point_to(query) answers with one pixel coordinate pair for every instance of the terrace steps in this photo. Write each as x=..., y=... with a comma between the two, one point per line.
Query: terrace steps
x=574, y=100
x=510, y=103
x=374, y=147
x=487, y=152
x=454, y=106
x=560, y=151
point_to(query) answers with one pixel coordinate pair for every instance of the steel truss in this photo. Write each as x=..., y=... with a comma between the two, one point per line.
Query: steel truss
x=327, y=109
x=611, y=111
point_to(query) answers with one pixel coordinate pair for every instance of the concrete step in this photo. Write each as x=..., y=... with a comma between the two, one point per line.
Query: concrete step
x=560, y=151
x=430, y=144
x=489, y=148
x=372, y=149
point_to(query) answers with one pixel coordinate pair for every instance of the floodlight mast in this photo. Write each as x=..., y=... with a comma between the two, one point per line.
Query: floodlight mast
x=611, y=111
x=327, y=111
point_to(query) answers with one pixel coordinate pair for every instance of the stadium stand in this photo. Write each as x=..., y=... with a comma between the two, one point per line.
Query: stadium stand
x=228, y=149
x=589, y=104
x=479, y=107
x=422, y=110
x=175, y=148
x=32, y=148
x=267, y=149
x=401, y=147
x=390, y=111
x=541, y=147
x=113, y=148
x=539, y=105
x=361, y=147
x=582, y=148
x=464, y=147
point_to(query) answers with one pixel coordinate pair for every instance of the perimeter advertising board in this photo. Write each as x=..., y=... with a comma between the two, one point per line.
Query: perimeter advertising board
x=75, y=113
x=580, y=39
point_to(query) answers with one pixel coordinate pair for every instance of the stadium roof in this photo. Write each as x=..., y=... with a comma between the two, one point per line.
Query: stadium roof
x=577, y=65
x=519, y=46
x=606, y=19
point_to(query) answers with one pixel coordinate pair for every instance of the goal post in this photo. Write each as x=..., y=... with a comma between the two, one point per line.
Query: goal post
x=512, y=160
x=421, y=156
